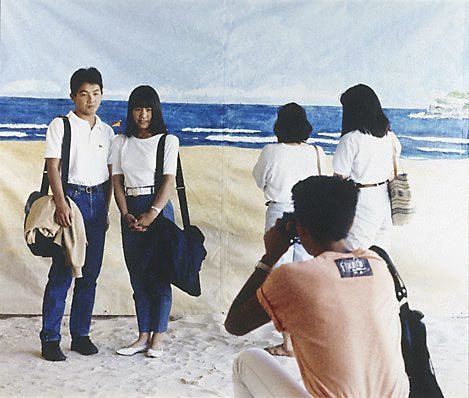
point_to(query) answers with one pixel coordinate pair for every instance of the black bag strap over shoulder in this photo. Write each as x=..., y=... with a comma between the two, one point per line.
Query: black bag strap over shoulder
x=65, y=161
x=180, y=187
x=399, y=286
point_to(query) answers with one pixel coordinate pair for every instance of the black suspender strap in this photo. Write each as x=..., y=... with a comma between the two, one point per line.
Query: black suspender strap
x=181, y=189
x=65, y=161
x=399, y=286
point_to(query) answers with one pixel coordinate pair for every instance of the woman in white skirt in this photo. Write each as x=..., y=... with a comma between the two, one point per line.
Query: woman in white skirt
x=365, y=155
x=280, y=166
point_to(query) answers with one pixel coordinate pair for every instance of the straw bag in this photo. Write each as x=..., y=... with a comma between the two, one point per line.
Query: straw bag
x=400, y=196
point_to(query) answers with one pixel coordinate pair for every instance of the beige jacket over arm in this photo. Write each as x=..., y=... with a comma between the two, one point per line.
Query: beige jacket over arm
x=72, y=239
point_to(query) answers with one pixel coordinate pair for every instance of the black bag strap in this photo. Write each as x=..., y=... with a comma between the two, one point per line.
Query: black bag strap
x=180, y=187
x=65, y=161
x=399, y=286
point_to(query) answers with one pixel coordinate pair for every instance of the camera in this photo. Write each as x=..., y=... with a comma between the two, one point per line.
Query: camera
x=287, y=225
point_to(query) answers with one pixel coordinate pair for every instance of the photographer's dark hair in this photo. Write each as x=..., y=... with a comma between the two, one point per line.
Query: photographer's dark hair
x=145, y=97
x=361, y=110
x=292, y=125
x=325, y=206
x=89, y=75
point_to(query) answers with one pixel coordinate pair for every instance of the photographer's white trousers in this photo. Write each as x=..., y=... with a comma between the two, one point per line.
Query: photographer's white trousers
x=295, y=252
x=372, y=222
x=257, y=374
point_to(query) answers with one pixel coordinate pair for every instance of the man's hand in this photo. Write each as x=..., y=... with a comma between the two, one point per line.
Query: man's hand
x=63, y=214
x=145, y=219
x=106, y=227
x=276, y=243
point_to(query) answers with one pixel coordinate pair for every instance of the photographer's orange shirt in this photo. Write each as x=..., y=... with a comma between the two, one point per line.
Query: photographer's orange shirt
x=343, y=317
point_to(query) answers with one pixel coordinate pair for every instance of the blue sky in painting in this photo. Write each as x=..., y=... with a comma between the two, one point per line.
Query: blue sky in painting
x=235, y=51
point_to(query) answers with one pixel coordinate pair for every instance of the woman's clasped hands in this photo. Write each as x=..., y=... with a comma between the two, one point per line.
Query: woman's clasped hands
x=140, y=223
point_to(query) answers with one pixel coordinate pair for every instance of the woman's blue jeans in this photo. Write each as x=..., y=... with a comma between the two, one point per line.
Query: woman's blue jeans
x=152, y=292
x=93, y=209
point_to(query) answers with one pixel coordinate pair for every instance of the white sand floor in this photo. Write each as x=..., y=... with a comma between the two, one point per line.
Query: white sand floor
x=197, y=363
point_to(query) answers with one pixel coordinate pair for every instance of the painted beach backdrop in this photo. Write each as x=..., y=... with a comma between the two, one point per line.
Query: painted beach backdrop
x=213, y=62
x=438, y=132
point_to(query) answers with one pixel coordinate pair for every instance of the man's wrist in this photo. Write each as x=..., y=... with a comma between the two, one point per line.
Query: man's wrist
x=268, y=260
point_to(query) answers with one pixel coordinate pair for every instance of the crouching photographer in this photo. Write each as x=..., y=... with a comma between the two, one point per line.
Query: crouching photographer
x=339, y=307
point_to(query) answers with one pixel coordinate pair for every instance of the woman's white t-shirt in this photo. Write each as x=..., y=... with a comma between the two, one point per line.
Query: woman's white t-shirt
x=281, y=166
x=135, y=158
x=364, y=158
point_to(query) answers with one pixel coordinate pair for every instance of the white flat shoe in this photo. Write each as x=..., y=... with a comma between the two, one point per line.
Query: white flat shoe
x=151, y=353
x=129, y=351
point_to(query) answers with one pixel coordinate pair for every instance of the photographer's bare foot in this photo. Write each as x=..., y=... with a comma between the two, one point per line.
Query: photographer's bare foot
x=280, y=351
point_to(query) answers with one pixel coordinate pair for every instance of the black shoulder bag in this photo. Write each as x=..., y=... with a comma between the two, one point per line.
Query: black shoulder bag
x=45, y=246
x=181, y=251
x=418, y=364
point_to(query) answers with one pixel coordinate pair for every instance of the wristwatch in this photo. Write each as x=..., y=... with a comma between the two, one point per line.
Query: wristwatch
x=264, y=267
x=155, y=209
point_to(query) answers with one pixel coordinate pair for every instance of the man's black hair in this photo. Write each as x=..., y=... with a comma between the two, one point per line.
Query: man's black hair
x=325, y=206
x=361, y=110
x=145, y=97
x=292, y=125
x=90, y=75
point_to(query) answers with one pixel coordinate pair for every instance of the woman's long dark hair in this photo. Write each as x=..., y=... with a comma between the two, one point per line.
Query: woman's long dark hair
x=145, y=97
x=362, y=111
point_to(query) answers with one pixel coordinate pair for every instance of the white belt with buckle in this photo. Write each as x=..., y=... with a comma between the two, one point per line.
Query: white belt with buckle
x=137, y=191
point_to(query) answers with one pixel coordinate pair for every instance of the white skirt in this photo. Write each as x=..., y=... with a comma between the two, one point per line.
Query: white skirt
x=372, y=222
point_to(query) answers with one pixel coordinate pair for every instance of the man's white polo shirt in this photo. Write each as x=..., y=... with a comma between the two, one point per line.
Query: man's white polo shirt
x=90, y=149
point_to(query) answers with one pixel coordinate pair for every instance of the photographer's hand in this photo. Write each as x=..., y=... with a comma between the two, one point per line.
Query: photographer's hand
x=276, y=243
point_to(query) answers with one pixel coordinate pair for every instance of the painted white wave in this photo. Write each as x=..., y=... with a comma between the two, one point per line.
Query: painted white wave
x=323, y=140
x=265, y=140
x=23, y=126
x=425, y=115
x=18, y=134
x=215, y=130
x=231, y=138
x=335, y=135
x=442, y=150
x=448, y=140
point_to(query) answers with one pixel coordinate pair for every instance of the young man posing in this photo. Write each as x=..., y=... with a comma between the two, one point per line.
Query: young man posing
x=340, y=308
x=89, y=186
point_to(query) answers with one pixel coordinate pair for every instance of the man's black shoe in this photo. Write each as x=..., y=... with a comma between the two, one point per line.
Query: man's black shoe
x=51, y=351
x=83, y=345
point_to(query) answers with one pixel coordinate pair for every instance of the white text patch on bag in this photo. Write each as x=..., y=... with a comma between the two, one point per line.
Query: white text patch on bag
x=350, y=267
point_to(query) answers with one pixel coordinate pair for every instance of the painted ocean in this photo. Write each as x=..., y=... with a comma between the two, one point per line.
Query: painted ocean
x=423, y=135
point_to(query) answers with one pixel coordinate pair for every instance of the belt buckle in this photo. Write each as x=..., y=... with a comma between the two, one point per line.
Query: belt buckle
x=135, y=191
x=88, y=189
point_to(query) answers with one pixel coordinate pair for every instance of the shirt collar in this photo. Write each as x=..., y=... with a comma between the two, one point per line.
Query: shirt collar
x=72, y=115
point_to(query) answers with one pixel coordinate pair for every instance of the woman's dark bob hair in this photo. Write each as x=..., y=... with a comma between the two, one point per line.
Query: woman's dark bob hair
x=362, y=111
x=145, y=97
x=292, y=124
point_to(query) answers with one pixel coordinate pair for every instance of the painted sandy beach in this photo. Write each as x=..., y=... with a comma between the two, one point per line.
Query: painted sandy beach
x=224, y=202
x=431, y=253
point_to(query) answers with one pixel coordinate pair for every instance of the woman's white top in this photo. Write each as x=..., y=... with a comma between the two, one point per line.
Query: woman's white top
x=280, y=166
x=135, y=158
x=364, y=158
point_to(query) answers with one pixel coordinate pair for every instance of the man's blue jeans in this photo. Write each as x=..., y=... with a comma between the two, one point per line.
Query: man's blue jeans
x=152, y=293
x=93, y=209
